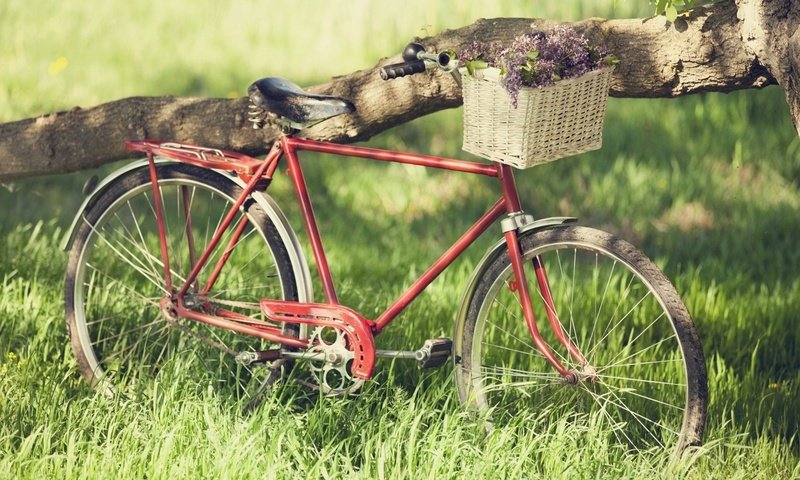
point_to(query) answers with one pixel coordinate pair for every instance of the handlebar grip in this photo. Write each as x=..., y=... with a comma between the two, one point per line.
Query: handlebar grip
x=398, y=70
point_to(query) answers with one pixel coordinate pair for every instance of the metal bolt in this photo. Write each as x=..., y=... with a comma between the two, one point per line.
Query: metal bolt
x=246, y=358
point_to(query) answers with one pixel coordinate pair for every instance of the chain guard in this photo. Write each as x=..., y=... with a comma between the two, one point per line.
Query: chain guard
x=351, y=324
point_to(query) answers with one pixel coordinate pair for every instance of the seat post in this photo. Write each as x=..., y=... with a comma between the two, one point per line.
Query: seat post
x=287, y=130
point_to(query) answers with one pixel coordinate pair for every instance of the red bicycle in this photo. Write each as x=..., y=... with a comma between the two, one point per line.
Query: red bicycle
x=185, y=256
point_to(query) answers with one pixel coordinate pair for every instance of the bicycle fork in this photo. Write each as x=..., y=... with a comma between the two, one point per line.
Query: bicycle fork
x=520, y=285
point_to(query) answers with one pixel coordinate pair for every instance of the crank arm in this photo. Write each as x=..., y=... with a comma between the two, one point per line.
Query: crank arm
x=246, y=358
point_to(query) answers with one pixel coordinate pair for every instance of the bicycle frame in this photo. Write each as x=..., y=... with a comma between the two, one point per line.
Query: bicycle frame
x=287, y=147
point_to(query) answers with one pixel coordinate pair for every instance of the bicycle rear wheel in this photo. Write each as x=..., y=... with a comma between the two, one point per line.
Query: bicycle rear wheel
x=115, y=281
x=645, y=379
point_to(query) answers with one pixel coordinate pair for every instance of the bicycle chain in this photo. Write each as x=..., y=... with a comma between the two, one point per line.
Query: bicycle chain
x=232, y=303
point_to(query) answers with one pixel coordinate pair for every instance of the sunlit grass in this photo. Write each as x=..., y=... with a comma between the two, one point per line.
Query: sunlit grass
x=706, y=185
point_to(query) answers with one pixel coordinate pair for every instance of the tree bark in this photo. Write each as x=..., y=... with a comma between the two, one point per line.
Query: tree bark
x=770, y=32
x=727, y=46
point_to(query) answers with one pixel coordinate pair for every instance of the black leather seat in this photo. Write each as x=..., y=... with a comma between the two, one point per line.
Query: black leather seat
x=288, y=101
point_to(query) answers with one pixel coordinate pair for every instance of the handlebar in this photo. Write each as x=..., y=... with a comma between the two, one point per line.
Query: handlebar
x=417, y=60
x=402, y=69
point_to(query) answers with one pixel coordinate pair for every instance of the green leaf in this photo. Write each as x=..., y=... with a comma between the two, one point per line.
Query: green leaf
x=660, y=6
x=532, y=55
x=672, y=13
x=473, y=65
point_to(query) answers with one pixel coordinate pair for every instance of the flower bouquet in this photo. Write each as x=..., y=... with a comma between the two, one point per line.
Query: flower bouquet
x=540, y=99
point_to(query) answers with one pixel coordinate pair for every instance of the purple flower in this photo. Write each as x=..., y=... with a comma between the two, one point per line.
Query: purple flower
x=537, y=59
x=479, y=54
x=519, y=63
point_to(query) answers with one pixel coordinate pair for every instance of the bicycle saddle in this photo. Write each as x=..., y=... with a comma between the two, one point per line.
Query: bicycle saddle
x=294, y=107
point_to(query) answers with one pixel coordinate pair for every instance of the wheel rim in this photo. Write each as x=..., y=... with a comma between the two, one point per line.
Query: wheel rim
x=636, y=379
x=119, y=323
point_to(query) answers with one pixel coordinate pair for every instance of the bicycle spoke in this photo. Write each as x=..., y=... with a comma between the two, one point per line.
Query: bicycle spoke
x=152, y=258
x=125, y=287
x=158, y=333
x=530, y=353
x=135, y=265
x=638, y=417
x=528, y=342
x=600, y=342
x=639, y=395
x=103, y=319
x=636, y=364
x=497, y=370
x=605, y=291
x=643, y=380
x=128, y=332
x=187, y=226
x=556, y=352
x=617, y=426
x=516, y=386
x=566, y=359
x=640, y=334
x=572, y=335
x=614, y=313
x=217, y=293
x=139, y=246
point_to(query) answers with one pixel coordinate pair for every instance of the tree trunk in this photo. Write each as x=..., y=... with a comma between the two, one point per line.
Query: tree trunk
x=727, y=46
x=770, y=32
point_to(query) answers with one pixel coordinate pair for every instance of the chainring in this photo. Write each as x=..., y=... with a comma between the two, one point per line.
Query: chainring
x=331, y=364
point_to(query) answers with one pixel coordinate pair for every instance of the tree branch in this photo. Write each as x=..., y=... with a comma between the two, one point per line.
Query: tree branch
x=702, y=51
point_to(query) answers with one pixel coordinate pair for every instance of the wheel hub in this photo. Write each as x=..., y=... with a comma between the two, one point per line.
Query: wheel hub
x=168, y=309
x=587, y=374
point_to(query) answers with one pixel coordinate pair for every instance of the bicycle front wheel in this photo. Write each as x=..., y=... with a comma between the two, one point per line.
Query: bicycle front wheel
x=115, y=282
x=644, y=375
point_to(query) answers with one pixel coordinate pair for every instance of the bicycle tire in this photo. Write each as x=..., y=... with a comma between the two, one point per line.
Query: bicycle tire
x=646, y=378
x=115, y=257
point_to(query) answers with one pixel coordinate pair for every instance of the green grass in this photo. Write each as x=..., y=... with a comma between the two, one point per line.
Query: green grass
x=706, y=185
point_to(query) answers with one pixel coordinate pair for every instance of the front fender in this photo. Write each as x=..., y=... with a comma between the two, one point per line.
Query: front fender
x=498, y=248
x=296, y=256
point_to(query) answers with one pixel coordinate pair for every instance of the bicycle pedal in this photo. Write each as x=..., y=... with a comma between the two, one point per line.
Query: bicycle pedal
x=434, y=352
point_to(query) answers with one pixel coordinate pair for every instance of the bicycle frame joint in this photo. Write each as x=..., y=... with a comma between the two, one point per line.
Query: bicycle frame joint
x=516, y=221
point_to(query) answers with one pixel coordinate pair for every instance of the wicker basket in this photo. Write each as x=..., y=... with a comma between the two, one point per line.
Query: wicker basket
x=549, y=122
